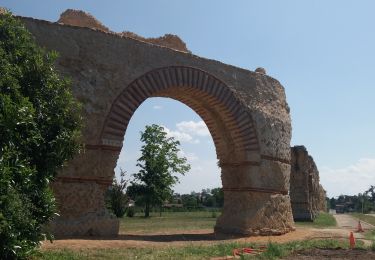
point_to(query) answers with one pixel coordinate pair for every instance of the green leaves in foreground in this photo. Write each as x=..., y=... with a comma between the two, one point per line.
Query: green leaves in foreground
x=39, y=129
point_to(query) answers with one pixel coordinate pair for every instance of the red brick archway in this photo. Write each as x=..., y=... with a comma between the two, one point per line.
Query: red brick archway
x=231, y=126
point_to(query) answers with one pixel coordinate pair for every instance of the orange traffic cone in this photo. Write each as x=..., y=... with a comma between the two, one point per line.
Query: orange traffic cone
x=351, y=240
x=359, y=228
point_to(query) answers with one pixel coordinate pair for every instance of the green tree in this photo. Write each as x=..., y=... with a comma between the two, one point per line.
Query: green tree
x=371, y=193
x=189, y=201
x=218, y=194
x=39, y=129
x=158, y=164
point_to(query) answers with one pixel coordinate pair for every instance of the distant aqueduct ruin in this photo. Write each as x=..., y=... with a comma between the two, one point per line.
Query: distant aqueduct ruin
x=113, y=73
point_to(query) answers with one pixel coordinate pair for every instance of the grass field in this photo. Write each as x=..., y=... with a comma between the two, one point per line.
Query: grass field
x=169, y=221
x=366, y=218
x=324, y=220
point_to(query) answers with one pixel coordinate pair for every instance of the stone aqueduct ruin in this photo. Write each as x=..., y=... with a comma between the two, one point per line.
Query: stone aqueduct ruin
x=246, y=113
x=307, y=195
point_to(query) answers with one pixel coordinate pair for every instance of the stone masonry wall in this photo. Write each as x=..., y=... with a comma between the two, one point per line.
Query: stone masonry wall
x=306, y=193
x=245, y=111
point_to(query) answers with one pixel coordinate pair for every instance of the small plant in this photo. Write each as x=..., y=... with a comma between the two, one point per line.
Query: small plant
x=372, y=247
x=116, y=198
x=130, y=212
x=213, y=214
x=274, y=251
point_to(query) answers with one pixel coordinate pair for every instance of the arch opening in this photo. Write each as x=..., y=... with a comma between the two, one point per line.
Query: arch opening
x=186, y=126
x=231, y=127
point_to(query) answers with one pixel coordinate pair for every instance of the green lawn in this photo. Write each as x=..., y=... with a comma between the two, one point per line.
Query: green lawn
x=169, y=221
x=324, y=220
x=369, y=219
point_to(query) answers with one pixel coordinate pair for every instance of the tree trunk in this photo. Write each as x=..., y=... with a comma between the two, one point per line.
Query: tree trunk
x=147, y=210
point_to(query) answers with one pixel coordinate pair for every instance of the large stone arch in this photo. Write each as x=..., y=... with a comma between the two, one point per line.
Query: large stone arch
x=230, y=124
x=246, y=113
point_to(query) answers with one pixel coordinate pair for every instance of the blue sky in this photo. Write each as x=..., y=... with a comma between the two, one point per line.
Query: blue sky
x=321, y=51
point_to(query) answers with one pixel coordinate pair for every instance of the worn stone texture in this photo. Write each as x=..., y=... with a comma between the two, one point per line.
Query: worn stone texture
x=321, y=199
x=307, y=195
x=246, y=113
x=168, y=40
x=83, y=19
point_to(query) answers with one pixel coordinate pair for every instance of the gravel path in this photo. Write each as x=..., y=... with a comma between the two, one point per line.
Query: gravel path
x=346, y=221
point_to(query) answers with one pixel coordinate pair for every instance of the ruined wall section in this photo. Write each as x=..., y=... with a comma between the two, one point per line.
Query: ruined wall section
x=168, y=40
x=306, y=193
x=83, y=19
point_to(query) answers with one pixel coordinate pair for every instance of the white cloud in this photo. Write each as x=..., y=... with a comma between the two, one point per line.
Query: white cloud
x=181, y=136
x=191, y=157
x=194, y=128
x=351, y=180
x=187, y=131
x=157, y=107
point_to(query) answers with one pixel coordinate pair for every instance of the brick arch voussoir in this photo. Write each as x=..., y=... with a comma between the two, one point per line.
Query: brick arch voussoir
x=239, y=122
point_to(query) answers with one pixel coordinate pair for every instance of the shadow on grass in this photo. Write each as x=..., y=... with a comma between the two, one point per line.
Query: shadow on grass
x=162, y=237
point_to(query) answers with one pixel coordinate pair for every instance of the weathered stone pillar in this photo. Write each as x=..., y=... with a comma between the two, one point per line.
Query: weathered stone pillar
x=256, y=200
x=82, y=210
x=307, y=195
x=80, y=197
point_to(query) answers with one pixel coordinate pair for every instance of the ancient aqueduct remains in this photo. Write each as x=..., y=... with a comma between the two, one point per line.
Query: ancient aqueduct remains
x=113, y=73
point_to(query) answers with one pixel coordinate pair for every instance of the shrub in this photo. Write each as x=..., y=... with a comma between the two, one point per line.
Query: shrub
x=39, y=129
x=130, y=212
x=116, y=197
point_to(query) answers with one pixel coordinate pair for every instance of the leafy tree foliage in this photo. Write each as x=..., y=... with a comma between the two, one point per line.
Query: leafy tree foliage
x=158, y=162
x=39, y=128
x=363, y=202
x=370, y=193
x=190, y=201
x=218, y=195
x=116, y=197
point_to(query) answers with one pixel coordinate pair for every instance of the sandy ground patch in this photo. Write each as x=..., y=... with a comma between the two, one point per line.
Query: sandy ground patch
x=178, y=238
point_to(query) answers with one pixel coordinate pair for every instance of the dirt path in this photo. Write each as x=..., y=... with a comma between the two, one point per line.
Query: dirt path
x=348, y=223
x=176, y=238
x=193, y=237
